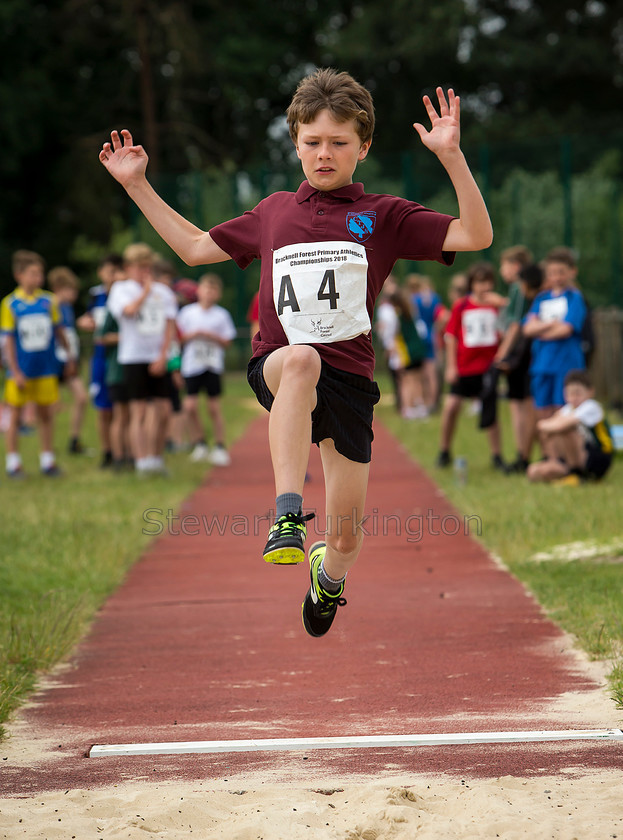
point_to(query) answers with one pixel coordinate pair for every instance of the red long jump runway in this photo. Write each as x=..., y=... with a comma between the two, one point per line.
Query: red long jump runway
x=204, y=642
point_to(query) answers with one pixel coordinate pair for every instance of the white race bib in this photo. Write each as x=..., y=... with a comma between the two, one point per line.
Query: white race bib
x=422, y=329
x=35, y=332
x=151, y=317
x=479, y=328
x=74, y=346
x=206, y=355
x=554, y=309
x=99, y=316
x=319, y=290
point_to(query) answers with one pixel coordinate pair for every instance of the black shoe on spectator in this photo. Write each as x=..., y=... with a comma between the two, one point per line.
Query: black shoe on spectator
x=443, y=459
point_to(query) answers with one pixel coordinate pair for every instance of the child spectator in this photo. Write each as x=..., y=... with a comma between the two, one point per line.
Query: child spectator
x=514, y=360
x=512, y=261
x=429, y=309
x=325, y=252
x=386, y=328
x=108, y=337
x=407, y=355
x=66, y=287
x=206, y=329
x=185, y=291
x=576, y=439
x=109, y=269
x=31, y=323
x=554, y=323
x=175, y=422
x=456, y=290
x=472, y=340
x=145, y=311
x=253, y=315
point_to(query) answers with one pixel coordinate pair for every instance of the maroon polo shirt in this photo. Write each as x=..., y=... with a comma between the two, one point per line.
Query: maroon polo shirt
x=390, y=228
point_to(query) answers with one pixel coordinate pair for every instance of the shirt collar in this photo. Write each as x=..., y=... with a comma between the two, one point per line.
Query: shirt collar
x=20, y=293
x=351, y=192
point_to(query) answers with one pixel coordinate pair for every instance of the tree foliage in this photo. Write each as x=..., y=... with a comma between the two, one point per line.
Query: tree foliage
x=204, y=83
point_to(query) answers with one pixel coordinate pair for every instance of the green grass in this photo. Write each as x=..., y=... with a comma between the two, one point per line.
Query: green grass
x=67, y=543
x=521, y=520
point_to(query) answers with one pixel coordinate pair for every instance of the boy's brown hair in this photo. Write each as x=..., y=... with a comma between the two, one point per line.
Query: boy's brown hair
x=401, y=299
x=532, y=276
x=563, y=255
x=164, y=268
x=458, y=283
x=579, y=377
x=22, y=259
x=138, y=254
x=212, y=279
x=517, y=254
x=481, y=271
x=340, y=94
x=62, y=277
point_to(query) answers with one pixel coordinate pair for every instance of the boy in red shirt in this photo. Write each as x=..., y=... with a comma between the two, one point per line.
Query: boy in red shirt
x=325, y=252
x=472, y=340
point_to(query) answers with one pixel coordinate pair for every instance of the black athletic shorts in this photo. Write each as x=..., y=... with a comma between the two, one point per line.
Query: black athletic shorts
x=142, y=385
x=174, y=394
x=597, y=462
x=467, y=386
x=118, y=393
x=344, y=408
x=518, y=378
x=207, y=381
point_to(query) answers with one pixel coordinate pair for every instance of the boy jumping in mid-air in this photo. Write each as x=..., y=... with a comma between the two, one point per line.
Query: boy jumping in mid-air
x=325, y=252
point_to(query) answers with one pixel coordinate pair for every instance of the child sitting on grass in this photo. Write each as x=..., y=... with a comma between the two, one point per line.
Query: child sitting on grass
x=577, y=440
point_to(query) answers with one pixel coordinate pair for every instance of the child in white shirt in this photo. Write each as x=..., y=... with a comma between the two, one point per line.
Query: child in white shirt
x=577, y=440
x=205, y=330
x=145, y=311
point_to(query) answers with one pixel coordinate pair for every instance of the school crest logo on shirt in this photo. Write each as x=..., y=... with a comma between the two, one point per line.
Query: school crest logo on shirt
x=361, y=225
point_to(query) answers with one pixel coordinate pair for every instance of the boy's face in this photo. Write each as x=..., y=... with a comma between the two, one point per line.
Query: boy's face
x=67, y=294
x=457, y=290
x=576, y=393
x=107, y=273
x=559, y=275
x=30, y=278
x=508, y=270
x=481, y=287
x=329, y=151
x=140, y=271
x=207, y=294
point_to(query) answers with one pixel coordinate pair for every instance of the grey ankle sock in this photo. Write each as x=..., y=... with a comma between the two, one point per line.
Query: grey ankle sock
x=288, y=503
x=327, y=582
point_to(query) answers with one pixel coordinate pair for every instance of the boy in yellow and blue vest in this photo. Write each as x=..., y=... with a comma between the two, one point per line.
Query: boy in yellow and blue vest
x=30, y=322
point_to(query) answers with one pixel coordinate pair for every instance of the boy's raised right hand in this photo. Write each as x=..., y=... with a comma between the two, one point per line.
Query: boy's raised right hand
x=125, y=161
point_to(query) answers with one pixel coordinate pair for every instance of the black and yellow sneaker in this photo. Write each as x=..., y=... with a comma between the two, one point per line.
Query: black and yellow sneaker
x=285, y=539
x=319, y=606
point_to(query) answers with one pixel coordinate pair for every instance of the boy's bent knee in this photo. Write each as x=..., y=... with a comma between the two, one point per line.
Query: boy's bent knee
x=302, y=360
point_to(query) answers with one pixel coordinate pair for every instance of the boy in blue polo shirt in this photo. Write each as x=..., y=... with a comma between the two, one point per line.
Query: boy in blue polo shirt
x=554, y=323
x=325, y=253
x=30, y=321
x=109, y=269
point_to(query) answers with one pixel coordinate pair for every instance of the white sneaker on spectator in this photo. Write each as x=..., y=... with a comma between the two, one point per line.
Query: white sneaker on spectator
x=200, y=453
x=415, y=412
x=157, y=466
x=219, y=456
